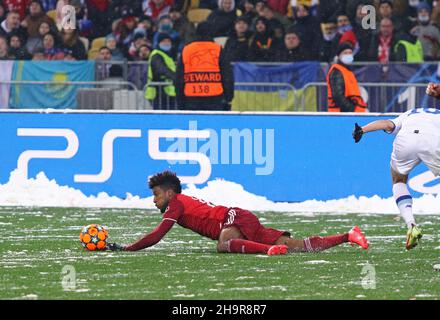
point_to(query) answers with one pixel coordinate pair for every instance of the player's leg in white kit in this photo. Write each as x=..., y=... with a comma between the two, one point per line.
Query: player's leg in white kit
x=404, y=158
x=403, y=198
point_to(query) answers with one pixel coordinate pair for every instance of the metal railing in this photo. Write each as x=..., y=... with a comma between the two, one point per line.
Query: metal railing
x=101, y=95
x=249, y=96
x=389, y=97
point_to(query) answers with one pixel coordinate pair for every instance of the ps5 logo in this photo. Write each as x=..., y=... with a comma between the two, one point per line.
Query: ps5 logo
x=107, y=151
x=426, y=182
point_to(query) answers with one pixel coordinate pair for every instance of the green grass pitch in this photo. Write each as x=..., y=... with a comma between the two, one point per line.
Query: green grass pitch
x=39, y=248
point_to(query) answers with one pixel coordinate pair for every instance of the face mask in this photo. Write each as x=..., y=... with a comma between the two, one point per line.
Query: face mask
x=329, y=36
x=347, y=59
x=166, y=27
x=424, y=19
x=165, y=47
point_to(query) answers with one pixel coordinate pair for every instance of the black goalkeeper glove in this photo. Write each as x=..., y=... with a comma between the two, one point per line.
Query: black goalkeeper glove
x=114, y=247
x=357, y=133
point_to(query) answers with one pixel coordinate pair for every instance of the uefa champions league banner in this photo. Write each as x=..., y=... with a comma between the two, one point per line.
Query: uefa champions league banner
x=284, y=157
x=56, y=96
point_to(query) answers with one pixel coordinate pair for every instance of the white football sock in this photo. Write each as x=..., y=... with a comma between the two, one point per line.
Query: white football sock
x=404, y=202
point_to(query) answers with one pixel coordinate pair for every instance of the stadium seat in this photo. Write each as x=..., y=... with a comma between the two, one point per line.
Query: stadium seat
x=221, y=40
x=93, y=54
x=52, y=14
x=98, y=43
x=198, y=15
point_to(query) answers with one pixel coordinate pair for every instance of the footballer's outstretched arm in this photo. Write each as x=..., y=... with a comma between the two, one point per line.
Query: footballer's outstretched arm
x=385, y=125
x=153, y=237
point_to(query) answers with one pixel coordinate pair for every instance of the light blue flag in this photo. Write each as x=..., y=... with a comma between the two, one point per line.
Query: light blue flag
x=56, y=96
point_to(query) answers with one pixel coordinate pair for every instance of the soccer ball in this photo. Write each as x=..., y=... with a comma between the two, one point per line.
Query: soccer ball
x=94, y=237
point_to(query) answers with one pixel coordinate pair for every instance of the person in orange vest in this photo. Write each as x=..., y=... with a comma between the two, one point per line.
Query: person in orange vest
x=343, y=91
x=204, y=76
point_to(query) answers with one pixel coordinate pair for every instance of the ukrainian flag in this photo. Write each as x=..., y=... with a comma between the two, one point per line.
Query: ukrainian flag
x=57, y=95
x=274, y=88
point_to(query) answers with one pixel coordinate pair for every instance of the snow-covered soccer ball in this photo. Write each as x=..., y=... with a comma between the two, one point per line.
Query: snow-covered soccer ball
x=94, y=237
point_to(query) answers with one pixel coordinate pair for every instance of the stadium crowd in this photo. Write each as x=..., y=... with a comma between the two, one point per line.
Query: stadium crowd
x=256, y=30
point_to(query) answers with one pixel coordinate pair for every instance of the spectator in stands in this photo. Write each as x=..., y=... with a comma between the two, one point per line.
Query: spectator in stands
x=326, y=49
x=156, y=8
x=17, y=48
x=204, y=79
x=385, y=9
x=143, y=53
x=363, y=35
x=36, y=42
x=34, y=19
x=12, y=24
x=308, y=28
x=19, y=6
x=237, y=46
x=293, y=50
x=162, y=68
x=165, y=26
x=279, y=6
x=4, y=49
x=263, y=45
x=382, y=44
x=112, y=45
x=259, y=7
x=222, y=20
x=329, y=8
x=139, y=40
x=105, y=54
x=52, y=51
x=408, y=47
x=345, y=33
x=276, y=22
x=148, y=26
x=70, y=42
x=125, y=33
x=248, y=11
x=428, y=34
x=343, y=89
x=181, y=24
x=102, y=65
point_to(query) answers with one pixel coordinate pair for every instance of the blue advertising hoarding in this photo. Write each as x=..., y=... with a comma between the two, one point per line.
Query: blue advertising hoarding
x=284, y=157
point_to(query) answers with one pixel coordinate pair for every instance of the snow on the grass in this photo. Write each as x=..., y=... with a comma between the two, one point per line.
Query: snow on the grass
x=42, y=192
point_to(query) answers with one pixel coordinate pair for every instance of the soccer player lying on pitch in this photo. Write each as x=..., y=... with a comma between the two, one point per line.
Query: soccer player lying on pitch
x=417, y=140
x=235, y=229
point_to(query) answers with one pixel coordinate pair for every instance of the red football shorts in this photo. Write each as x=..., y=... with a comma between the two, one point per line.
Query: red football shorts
x=251, y=228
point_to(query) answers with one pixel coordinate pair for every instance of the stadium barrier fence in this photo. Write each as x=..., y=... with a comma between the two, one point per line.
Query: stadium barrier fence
x=380, y=97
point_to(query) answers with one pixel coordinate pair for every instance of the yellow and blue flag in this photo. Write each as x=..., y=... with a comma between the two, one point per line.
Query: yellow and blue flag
x=57, y=95
x=275, y=88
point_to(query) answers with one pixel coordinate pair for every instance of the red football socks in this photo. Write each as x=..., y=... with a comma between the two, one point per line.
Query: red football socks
x=246, y=246
x=315, y=244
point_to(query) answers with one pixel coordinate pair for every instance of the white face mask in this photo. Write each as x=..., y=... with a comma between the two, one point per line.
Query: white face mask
x=347, y=59
x=423, y=18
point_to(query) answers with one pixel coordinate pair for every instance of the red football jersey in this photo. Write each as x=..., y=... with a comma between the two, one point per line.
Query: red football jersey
x=197, y=215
